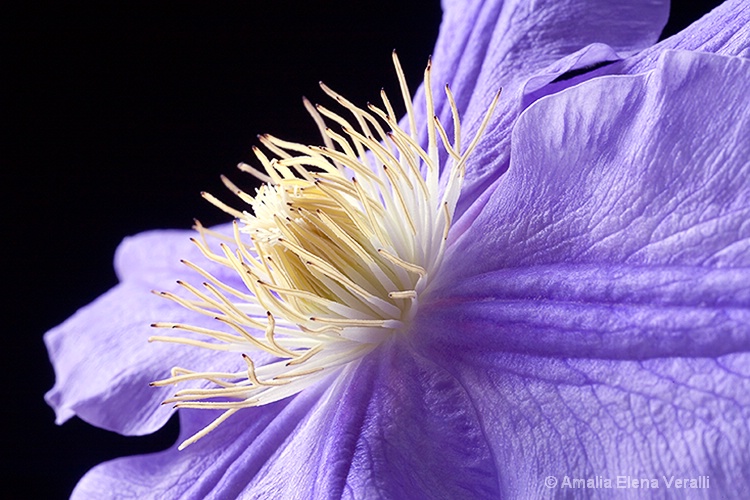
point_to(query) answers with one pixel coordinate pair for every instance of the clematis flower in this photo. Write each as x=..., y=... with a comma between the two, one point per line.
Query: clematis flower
x=581, y=310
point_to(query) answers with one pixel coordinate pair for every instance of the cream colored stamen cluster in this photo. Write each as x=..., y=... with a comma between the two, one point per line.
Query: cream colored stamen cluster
x=333, y=253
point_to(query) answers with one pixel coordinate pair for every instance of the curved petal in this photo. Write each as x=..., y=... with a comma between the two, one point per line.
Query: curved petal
x=594, y=311
x=104, y=363
x=725, y=31
x=658, y=419
x=315, y=461
x=619, y=233
x=485, y=46
x=640, y=170
x=400, y=428
x=421, y=437
x=102, y=358
x=153, y=258
x=394, y=426
x=219, y=465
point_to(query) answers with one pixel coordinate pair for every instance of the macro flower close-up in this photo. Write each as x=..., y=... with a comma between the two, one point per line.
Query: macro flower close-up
x=529, y=278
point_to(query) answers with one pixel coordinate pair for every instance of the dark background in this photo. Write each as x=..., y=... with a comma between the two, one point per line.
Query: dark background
x=116, y=117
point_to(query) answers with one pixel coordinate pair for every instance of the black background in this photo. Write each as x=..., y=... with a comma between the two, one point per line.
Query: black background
x=116, y=117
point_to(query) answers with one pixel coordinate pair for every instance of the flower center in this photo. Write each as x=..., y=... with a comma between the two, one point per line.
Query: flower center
x=341, y=242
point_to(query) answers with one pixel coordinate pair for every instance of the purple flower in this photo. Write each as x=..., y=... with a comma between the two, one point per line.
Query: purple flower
x=588, y=316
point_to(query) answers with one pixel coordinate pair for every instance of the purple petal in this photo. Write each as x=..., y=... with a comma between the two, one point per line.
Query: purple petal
x=638, y=170
x=153, y=257
x=655, y=419
x=421, y=437
x=617, y=232
x=104, y=363
x=396, y=425
x=594, y=311
x=725, y=30
x=620, y=233
x=101, y=355
x=485, y=46
x=221, y=464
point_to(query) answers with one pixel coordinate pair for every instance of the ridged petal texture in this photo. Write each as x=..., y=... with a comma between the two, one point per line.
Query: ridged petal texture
x=597, y=311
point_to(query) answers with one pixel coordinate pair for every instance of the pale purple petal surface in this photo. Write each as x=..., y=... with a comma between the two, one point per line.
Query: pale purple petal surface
x=209, y=467
x=486, y=46
x=620, y=175
x=102, y=357
x=597, y=310
x=583, y=418
x=396, y=426
x=725, y=30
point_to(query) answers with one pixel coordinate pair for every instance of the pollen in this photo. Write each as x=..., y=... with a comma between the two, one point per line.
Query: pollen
x=333, y=251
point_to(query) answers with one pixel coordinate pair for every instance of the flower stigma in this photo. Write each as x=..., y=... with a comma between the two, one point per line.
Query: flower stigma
x=340, y=242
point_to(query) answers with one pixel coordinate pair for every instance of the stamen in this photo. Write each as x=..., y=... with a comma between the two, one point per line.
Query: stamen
x=252, y=377
x=456, y=120
x=407, y=96
x=221, y=205
x=319, y=122
x=330, y=254
x=249, y=169
x=213, y=425
x=421, y=271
